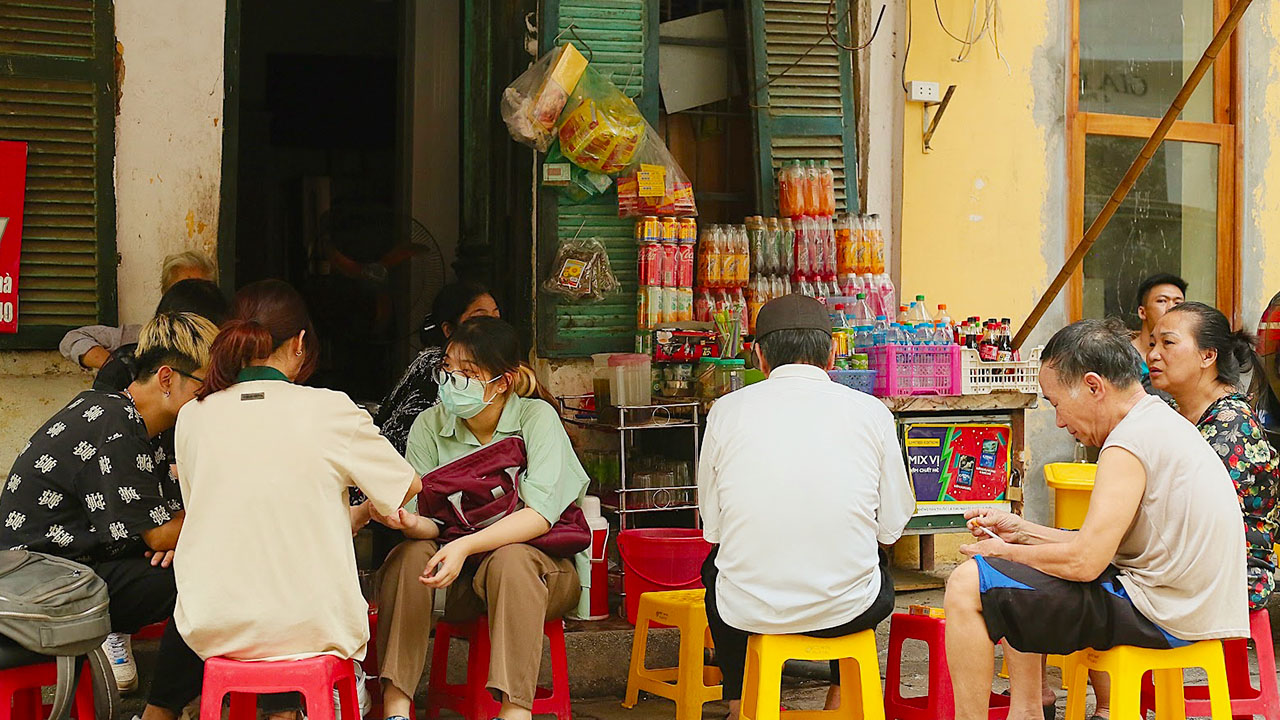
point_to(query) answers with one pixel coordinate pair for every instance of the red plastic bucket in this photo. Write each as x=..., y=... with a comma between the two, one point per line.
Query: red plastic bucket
x=657, y=559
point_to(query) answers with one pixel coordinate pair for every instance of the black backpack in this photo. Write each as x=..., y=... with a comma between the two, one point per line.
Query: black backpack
x=56, y=607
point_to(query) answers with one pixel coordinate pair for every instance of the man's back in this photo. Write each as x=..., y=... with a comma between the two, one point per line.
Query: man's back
x=800, y=477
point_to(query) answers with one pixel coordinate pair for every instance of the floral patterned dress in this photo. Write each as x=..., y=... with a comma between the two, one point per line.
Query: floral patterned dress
x=1233, y=430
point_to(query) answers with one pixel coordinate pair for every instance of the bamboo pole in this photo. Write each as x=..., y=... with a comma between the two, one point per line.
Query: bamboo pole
x=1139, y=164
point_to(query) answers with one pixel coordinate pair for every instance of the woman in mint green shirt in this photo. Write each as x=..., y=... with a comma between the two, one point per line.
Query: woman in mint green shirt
x=486, y=394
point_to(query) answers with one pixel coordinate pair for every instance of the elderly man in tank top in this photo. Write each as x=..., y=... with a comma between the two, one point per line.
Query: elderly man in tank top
x=1158, y=563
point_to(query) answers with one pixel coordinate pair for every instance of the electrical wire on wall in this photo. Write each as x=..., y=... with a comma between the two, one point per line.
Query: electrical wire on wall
x=982, y=23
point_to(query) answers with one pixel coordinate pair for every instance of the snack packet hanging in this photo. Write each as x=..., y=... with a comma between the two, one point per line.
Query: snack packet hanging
x=572, y=182
x=654, y=184
x=532, y=103
x=601, y=128
x=581, y=271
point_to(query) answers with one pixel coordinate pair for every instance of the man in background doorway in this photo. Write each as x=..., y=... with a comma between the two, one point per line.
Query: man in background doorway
x=1157, y=295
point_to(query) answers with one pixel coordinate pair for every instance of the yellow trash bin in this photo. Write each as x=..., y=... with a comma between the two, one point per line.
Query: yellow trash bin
x=1072, y=485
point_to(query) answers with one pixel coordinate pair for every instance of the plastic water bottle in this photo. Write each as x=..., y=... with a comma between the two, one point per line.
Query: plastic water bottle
x=839, y=318
x=888, y=293
x=880, y=331
x=861, y=311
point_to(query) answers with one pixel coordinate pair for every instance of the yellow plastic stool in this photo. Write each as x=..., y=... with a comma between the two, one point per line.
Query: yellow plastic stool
x=692, y=684
x=1126, y=665
x=860, y=692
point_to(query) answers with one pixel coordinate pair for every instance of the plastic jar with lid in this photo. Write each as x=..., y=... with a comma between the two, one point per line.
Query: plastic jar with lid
x=735, y=374
x=704, y=376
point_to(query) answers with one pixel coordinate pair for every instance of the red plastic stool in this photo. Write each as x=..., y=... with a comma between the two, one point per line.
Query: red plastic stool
x=314, y=677
x=373, y=683
x=472, y=698
x=151, y=632
x=20, y=693
x=1246, y=700
x=939, y=702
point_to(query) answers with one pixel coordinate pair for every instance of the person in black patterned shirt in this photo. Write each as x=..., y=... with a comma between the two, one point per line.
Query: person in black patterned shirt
x=92, y=485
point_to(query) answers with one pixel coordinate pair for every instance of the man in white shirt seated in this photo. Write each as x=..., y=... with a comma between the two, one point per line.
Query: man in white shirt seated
x=1159, y=562
x=798, y=481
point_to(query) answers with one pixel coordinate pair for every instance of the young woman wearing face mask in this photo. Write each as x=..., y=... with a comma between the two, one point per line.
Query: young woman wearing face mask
x=1199, y=360
x=485, y=396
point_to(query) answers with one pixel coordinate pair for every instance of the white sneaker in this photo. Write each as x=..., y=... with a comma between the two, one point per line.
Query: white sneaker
x=119, y=650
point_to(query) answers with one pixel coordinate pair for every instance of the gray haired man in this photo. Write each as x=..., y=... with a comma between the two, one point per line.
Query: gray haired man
x=1158, y=563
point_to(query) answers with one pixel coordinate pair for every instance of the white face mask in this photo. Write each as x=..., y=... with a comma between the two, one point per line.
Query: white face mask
x=462, y=396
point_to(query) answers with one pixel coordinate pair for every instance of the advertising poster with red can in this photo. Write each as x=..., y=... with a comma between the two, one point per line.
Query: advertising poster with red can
x=13, y=184
x=954, y=467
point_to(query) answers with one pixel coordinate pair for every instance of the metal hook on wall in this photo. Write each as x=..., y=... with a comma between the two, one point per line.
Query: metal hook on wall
x=572, y=29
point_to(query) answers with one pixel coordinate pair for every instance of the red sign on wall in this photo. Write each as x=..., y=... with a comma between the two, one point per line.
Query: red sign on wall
x=13, y=186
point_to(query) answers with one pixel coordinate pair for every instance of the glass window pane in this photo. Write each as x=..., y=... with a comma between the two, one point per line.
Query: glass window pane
x=1135, y=55
x=1168, y=223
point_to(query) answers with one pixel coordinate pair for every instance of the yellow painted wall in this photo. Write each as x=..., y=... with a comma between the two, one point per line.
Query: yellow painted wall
x=972, y=209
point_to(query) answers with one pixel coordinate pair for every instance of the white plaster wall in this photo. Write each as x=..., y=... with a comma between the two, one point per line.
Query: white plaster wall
x=168, y=140
x=168, y=169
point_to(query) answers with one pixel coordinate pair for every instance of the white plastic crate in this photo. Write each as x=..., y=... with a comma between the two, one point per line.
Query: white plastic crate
x=979, y=378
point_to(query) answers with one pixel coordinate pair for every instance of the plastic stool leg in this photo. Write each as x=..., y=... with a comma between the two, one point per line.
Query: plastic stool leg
x=868, y=685
x=1126, y=691
x=689, y=672
x=84, y=709
x=439, y=670
x=1170, y=703
x=559, y=671
x=1076, y=695
x=852, y=694
x=765, y=683
x=244, y=706
x=1269, y=691
x=639, y=646
x=348, y=699
x=1219, y=689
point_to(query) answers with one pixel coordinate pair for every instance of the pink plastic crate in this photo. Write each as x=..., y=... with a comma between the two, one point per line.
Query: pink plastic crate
x=916, y=370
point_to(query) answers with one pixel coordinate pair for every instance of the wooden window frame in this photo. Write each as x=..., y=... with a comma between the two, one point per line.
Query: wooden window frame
x=1221, y=132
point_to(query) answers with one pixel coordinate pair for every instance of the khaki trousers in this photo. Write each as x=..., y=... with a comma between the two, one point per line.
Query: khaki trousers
x=520, y=587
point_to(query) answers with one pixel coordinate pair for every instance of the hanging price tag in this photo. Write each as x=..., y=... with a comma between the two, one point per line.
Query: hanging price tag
x=652, y=180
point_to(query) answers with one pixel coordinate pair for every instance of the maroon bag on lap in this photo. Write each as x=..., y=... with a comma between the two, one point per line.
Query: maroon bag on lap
x=482, y=487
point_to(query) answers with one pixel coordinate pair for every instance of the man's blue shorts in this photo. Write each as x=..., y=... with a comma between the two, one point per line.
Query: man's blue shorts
x=1039, y=613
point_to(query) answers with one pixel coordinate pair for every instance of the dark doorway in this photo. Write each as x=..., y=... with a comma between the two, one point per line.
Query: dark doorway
x=317, y=174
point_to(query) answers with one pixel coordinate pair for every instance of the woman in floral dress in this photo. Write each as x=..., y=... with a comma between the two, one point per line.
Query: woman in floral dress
x=1199, y=360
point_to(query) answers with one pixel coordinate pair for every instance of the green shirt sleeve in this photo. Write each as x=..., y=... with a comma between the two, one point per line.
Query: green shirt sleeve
x=420, y=450
x=555, y=478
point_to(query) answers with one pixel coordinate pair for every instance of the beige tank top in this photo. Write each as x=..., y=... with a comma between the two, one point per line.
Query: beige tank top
x=1183, y=559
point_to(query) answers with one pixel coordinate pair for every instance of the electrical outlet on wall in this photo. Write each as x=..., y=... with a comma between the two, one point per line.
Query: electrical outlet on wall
x=918, y=91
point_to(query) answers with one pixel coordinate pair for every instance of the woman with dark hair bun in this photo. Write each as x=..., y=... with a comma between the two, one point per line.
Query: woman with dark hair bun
x=265, y=567
x=1197, y=358
x=417, y=390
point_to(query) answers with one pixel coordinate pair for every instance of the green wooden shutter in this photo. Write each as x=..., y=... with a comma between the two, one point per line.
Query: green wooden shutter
x=620, y=37
x=806, y=113
x=57, y=93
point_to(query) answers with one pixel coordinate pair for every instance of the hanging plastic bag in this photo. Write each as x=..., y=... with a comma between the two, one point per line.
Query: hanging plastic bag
x=531, y=105
x=572, y=182
x=654, y=184
x=581, y=271
x=600, y=129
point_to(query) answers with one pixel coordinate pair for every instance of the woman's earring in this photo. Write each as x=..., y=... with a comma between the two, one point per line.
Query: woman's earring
x=166, y=394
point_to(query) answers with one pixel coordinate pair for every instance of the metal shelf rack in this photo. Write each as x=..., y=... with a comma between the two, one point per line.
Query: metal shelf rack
x=628, y=421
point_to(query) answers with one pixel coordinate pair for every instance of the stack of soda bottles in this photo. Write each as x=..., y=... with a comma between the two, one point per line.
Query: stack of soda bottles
x=807, y=197
x=724, y=268
x=666, y=270
x=772, y=244
x=992, y=339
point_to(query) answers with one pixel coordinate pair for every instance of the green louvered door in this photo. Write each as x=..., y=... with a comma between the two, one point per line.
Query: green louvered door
x=807, y=112
x=57, y=94
x=620, y=39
